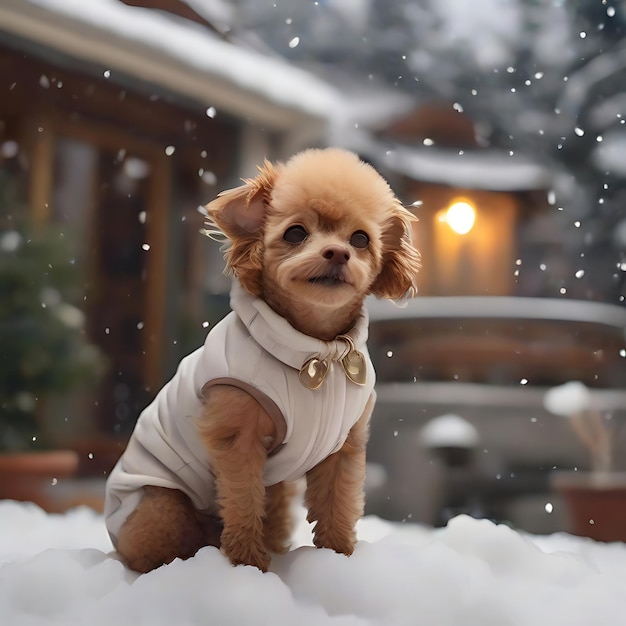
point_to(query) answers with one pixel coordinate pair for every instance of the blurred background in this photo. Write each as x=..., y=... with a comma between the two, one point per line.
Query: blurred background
x=501, y=123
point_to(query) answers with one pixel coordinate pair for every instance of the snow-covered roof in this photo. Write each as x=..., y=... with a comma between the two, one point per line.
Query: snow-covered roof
x=218, y=12
x=499, y=307
x=473, y=169
x=178, y=55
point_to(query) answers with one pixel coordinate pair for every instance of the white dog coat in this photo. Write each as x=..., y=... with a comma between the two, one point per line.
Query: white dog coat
x=255, y=349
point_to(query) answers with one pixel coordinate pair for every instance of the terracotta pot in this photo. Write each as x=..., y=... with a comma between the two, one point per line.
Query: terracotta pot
x=32, y=476
x=595, y=504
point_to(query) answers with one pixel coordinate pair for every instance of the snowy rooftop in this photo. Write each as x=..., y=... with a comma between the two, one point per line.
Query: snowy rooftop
x=473, y=169
x=177, y=54
x=499, y=307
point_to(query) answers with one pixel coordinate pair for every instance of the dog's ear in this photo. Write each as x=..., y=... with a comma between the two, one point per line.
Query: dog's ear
x=401, y=260
x=240, y=213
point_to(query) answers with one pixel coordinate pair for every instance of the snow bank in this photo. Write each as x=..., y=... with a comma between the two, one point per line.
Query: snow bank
x=472, y=573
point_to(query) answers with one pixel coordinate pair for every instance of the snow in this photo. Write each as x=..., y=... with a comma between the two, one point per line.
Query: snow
x=473, y=169
x=218, y=12
x=449, y=430
x=608, y=156
x=582, y=82
x=58, y=570
x=500, y=307
x=196, y=47
x=498, y=23
x=571, y=398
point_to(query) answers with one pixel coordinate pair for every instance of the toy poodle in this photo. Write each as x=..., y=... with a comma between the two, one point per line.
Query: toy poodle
x=283, y=387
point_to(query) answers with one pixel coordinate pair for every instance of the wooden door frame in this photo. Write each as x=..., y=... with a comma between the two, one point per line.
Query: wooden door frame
x=108, y=136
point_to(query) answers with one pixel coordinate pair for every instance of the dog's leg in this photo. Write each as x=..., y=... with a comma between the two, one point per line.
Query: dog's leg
x=237, y=433
x=165, y=525
x=279, y=522
x=334, y=495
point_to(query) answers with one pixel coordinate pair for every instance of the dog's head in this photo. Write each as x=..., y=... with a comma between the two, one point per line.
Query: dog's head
x=323, y=230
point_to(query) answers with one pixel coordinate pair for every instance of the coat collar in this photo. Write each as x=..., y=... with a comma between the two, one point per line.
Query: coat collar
x=278, y=337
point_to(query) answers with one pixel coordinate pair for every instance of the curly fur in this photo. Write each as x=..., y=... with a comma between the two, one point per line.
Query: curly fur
x=318, y=284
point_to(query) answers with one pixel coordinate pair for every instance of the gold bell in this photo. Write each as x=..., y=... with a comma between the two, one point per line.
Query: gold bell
x=313, y=373
x=354, y=363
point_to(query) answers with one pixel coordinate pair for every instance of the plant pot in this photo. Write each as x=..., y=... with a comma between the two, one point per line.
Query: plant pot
x=33, y=476
x=595, y=503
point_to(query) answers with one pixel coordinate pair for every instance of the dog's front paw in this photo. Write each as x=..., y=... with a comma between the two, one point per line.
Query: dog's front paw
x=342, y=545
x=247, y=554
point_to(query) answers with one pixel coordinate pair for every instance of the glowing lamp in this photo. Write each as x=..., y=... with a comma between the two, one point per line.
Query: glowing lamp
x=460, y=216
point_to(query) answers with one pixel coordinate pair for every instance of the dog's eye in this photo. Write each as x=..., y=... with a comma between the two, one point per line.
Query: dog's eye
x=295, y=234
x=359, y=240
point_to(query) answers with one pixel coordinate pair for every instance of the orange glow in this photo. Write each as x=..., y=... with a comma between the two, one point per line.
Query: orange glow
x=460, y=217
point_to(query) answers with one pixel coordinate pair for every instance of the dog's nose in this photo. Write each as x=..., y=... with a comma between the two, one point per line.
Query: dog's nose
x=337, y=255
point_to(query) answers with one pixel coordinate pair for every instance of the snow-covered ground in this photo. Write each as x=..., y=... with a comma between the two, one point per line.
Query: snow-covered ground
x=58, y=570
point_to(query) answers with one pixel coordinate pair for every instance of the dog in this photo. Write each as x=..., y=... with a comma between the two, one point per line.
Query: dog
x=283, y=387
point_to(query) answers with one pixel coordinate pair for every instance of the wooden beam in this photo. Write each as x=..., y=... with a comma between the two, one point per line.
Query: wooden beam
x=160, y=195
x=41, y=139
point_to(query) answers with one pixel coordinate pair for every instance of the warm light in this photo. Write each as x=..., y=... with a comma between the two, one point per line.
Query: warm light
x=460, y=216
